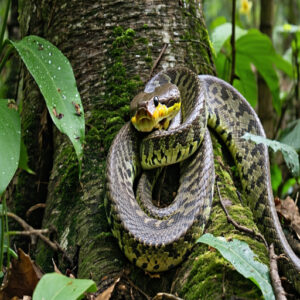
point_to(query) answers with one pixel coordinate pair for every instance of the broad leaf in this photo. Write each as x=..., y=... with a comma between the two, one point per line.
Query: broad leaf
x=247, y=83
x=54, y=75
x=289, y=154
x=292, y=138
x=243, y=259
x=55, y=286
x=10, y=137
x=221, y=34
x=257, y=48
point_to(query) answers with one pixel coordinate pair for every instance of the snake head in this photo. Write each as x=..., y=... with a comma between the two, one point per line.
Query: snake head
x=155, y=110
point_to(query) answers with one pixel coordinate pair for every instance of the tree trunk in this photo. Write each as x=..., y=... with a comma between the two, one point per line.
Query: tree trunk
x=265, y=105
x=113, y=46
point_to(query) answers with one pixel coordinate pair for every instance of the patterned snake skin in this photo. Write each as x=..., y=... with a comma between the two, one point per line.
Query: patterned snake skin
x=161, y=238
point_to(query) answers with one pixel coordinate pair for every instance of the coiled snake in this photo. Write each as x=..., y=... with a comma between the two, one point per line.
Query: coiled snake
x=156, y=239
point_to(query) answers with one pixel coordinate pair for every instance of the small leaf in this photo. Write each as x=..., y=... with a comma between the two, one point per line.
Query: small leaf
x=276, y=177
x=23, y=162
x=55, y=286
x=10, y=137
x=54, y=75
x=242, y=258
x=289, y=154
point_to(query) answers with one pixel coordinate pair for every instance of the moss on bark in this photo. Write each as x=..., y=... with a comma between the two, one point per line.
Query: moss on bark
x=112, y=46
x=206, y=274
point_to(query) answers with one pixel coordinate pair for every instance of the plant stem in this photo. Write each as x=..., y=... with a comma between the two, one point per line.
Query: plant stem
x=6, y=229
x=3, y=61
x=232, y=42
x=4, y=25
x=2, y=234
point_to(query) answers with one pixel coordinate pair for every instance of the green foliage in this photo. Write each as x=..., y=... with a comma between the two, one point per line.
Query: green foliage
x=276, y=177
x=252, y=49
x=55, y=286
x=291, y=136
x=288, y=185
x=289, y=154
x=54, y=76
x=10, y=138
x=23, y=162
x=243, y=259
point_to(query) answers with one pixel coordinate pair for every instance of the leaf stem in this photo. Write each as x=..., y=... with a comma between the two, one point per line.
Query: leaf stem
x=232, y=42
x=6, y=56
x=2, y=222
x=4, y=25
x=6, y=228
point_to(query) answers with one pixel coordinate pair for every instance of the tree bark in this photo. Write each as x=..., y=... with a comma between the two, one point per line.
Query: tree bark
x=112, y=46
x=265, y=105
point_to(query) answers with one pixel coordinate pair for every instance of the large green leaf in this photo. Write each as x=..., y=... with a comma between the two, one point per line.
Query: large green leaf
x=221, y=34
x=10, y=137
x=289, y=153
x=257, y=49
x=246, y=84
x=54, y=75
x=243, y=259
x=55, y=286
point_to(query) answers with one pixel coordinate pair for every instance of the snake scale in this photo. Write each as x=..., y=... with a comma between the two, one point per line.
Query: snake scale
x=156, y=239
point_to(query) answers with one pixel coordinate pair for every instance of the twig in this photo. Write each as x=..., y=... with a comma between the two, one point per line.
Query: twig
x=51, y=14
x=34, y=207
x=54, y=245
x=297, y=74
x=238, y=226
x=137, y=288
x=276, y=282
x=161, y=296
x=158, y=59
x=232, y=42
x=29, y=232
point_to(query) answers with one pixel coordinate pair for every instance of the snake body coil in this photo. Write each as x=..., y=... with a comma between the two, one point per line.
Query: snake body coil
x=159, y=239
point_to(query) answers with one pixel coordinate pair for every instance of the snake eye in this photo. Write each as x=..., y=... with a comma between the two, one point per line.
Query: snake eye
x=155, y=100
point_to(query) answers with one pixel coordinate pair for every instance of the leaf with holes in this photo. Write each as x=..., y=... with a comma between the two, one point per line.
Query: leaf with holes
x=54, y=76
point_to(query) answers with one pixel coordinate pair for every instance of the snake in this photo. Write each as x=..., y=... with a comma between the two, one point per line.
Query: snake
x=157, y=239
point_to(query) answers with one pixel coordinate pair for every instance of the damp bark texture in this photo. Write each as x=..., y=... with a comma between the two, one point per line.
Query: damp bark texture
x=112, y=46
x=265, y=106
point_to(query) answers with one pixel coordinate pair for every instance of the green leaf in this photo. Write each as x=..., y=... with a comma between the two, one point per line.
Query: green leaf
x=10, y=137
x=287, y=187
x=54, y=75
x=221, y=34
x=243, y=259
x=276, y=177
x=23, y=162
x=217, y=22
x=257, y=48
x=289, y=154
x=292, y=138
x=288, y=28
x=55, y=286
x=284, y=65
x=247, y=83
